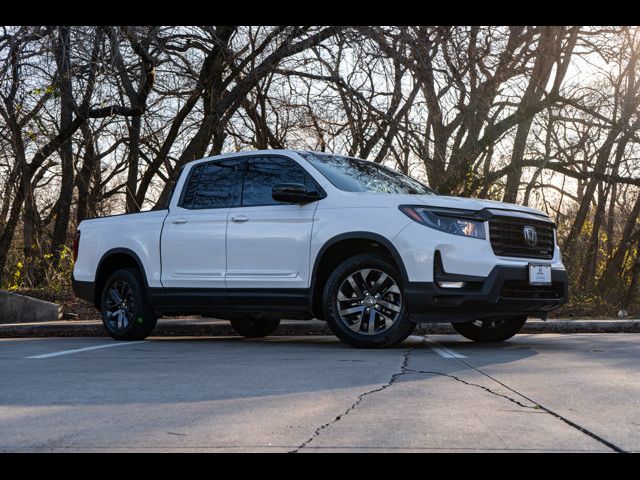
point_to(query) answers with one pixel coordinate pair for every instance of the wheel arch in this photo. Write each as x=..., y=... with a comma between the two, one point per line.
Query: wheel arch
x=341, y=247
x=113, y=260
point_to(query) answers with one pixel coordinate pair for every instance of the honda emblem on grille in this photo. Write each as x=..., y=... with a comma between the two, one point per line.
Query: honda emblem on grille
x=530, y=236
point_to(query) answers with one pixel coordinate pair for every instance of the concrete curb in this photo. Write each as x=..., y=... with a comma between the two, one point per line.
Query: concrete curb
x=23, y=309
x=209, y=327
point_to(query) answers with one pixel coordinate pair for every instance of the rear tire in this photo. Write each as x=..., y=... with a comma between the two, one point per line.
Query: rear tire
x=491, y=329
x=126, y=311
x=372, y=314
x=255, y=327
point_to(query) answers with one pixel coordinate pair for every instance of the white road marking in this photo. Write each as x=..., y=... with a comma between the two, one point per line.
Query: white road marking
x=442, y=351
x=77, y=350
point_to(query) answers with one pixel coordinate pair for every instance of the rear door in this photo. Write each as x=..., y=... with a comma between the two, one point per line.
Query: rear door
x=268, y=242
x=193, y=246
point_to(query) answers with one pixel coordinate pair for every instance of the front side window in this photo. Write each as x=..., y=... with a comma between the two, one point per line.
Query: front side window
x=211, y=185
x=355, y=175
x=262, y=173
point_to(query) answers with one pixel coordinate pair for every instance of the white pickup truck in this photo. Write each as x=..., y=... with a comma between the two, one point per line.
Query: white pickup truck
x=254, y=237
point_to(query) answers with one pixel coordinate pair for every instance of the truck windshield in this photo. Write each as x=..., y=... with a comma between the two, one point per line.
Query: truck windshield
x=355, y=175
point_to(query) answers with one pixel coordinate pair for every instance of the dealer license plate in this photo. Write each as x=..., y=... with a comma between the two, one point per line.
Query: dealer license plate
x=539, y=274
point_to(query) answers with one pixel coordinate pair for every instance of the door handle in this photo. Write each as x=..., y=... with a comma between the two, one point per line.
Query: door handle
x=179, y=220
x=240, y=219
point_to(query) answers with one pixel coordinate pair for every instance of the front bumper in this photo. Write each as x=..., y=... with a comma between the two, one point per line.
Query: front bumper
x=505, y=291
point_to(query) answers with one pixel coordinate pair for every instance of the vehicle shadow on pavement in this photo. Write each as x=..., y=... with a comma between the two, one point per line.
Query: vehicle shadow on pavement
x=328, y=353
x=202, y=369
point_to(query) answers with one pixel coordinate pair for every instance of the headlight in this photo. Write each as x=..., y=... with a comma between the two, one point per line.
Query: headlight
x=456, y=222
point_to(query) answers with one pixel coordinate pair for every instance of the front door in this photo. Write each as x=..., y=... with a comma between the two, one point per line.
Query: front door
x=268, y=242
x=193, y=246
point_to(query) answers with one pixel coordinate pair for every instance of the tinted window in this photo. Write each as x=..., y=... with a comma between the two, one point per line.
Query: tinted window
x=216, y=185
x=192, y=186
x=173, y=189
x=355, y=175
x=263, y=173
x=211, y=185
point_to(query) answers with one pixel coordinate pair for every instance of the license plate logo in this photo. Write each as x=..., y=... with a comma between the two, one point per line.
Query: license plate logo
x=539, y=274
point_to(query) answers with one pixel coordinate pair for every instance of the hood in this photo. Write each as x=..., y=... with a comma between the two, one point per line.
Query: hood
x=381, y=200
x=473, y=204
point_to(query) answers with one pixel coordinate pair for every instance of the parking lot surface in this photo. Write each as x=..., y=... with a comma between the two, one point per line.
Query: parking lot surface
x=545, y=392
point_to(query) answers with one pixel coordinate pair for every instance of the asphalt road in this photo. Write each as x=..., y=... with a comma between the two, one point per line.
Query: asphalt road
x=571, y=392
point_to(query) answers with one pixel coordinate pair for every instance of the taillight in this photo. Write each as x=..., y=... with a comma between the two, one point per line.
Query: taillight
x=76, y=245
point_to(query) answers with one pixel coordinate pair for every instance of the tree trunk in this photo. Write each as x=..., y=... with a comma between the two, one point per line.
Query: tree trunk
x=29, y=246
x=7, y=234
x=611, y=218
x=587, y=277
x=132, y=160
x=614, y=266
x=83, y=179
x=585, y=202
x=547, y=52
x=6, y=203
x=513, y=177
x=631, y=295
x=58, y=239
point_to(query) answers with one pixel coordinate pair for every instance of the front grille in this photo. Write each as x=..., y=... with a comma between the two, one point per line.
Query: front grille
x=522, y=290
x=507, y=237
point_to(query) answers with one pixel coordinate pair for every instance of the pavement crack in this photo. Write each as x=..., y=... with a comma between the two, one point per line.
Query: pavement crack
x=537, y=405
x=580, y=428
x=513, y=400
x=394, y=377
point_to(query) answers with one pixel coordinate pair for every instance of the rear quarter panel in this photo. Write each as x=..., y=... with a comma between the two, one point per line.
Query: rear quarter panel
x=138, y=232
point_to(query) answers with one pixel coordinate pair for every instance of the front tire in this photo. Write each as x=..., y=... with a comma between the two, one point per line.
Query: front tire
x=364, y=304
x=491, y=329
x=255, y=327
x=126, y=311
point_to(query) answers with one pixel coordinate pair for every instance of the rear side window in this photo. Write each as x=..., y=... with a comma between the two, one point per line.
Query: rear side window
x=262, y=173
x=191, y=187
x=211, y=185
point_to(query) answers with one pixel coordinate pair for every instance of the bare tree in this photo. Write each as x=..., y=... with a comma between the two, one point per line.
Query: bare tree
x=98, y=120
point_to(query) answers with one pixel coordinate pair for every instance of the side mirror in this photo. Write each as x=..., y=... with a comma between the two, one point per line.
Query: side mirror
x=294, y=193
